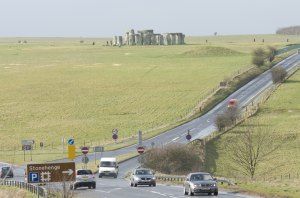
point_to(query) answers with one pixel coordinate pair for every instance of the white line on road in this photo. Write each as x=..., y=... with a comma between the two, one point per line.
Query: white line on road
x=175, y=139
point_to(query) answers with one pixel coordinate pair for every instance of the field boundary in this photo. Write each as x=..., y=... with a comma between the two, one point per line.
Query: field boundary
x=37, y=190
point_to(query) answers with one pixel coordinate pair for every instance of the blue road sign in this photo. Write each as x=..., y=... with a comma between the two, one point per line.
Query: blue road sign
x=71, y=141
x=34, y=177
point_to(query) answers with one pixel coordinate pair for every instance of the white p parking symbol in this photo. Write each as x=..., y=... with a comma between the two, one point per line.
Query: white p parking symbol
x=34, y=177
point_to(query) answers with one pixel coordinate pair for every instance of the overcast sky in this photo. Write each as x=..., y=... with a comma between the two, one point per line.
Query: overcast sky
x=100, y=18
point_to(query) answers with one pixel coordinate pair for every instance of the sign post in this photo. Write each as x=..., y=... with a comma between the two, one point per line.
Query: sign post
x=98, y=149
x=51, y=172
x=27, y=146
x=85, y=159
x=140, y=138
x=115, y=134
x=188, y=136
x=71, y=149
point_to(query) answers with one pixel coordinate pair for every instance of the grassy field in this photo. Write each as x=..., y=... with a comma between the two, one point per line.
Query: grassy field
x=280, y=117
x=52, y=89
x=13, y=192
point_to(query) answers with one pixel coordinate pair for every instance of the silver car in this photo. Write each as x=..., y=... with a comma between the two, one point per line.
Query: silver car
x=200, y=183
x=84, y=178
x=142, y=176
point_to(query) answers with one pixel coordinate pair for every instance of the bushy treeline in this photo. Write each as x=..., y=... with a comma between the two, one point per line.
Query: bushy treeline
x=293, y=30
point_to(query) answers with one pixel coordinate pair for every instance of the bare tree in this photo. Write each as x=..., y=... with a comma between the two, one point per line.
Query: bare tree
x=278, y=74
x=227, y=119
x=258, y=57
x=253, y=146
x=271, y=53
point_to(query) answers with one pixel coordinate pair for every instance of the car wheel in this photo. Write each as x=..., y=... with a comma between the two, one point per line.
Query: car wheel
x=135, y=185
x=216, y=193
x=100, y=176
x=90, y=187
x=154, y=184
x=184, y=191
x=190, y=192
x=115, y=176
x=209, y=193
x=94, y=186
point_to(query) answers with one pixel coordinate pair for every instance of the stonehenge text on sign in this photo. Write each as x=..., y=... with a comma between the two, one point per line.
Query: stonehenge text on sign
x=50, y=172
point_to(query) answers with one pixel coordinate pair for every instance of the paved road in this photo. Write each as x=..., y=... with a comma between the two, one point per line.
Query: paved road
x=116, y=188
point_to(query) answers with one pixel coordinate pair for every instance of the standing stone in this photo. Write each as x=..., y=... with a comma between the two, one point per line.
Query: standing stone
x=138, y=40
x=115, y=40
x=120, y=41
x=173, y=39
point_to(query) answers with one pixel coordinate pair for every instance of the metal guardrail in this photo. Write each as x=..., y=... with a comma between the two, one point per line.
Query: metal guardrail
x=37, y=190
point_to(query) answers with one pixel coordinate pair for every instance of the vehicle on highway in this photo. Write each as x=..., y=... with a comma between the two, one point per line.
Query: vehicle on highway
x=200, y=183
x=232, y=103
x=108, y=167
x=6, y=172
x=84, y=178
x=142, y=176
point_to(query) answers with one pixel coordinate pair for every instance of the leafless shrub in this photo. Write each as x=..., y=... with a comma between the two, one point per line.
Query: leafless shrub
x=258, y=57
x=271, y=53
x=173, y=159
x=278, y=74
x=227, y=119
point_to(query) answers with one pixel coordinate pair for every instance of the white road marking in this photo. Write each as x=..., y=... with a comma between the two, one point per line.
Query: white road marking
x=175, y=139
x=158, y=193
x=115, y=189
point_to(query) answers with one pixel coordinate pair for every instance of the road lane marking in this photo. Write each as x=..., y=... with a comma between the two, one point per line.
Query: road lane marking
x=175, y=139
x=158, y=193
x=115, y=189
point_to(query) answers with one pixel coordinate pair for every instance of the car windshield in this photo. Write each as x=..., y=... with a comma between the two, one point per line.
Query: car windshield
x=201, y=177
x=5, y=169
x=107, y=164
x=143, y=172
x=84, y=172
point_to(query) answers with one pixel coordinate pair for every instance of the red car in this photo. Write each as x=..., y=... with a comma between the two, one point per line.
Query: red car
x=232, y=103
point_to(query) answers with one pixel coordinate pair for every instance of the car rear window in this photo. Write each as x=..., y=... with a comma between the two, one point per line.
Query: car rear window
x=5, y=168
x=84, y=172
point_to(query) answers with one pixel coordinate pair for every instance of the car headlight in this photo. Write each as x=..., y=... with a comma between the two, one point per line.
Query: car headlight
x=193, y=185
x=136, y=178
x=214, y=184
x=153, y=178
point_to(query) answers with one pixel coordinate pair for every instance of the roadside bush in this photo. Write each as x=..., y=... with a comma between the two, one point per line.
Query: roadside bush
x=173, y=159
x=226, y=119
x=278, y=74
x=258, y=57
x=271, y=53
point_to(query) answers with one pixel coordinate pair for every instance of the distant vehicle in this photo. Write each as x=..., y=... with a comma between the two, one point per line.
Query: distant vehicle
x=232, y=103
x=108, y=167
x=142, y=176
x=84, y=178
x=200, y=183
x=6, y=172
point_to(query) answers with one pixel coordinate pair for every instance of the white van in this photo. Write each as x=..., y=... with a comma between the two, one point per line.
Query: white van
x=108, y=167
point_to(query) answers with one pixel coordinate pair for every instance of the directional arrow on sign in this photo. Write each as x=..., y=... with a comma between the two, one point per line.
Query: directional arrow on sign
x=69, y=172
